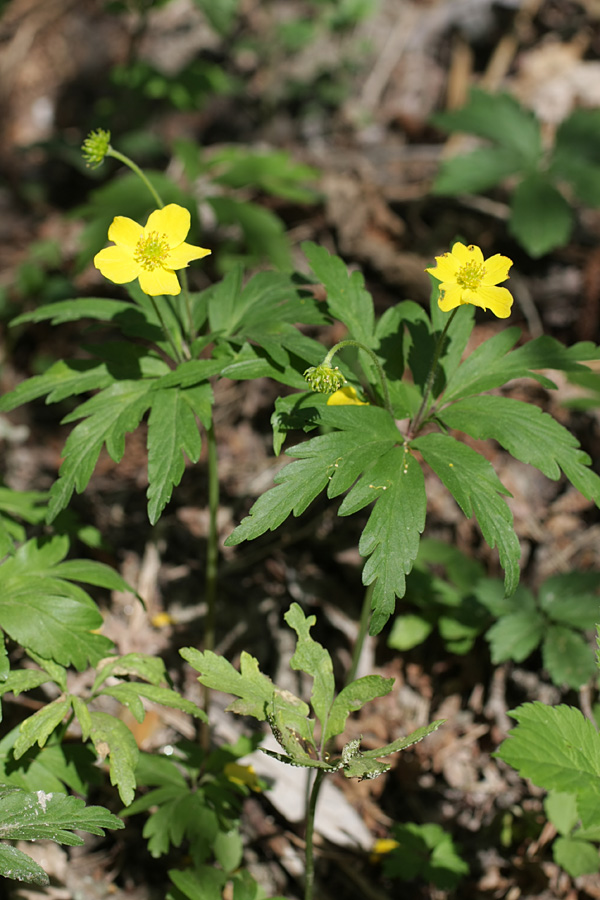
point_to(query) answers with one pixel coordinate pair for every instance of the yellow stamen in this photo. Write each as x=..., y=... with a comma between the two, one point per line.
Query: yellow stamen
x=470, y=275
x=151, y=250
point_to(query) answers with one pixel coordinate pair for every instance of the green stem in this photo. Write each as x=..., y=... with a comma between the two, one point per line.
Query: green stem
x=309, y=883
x=135, y=168
x=212, y=560
x=168, y=335
x=193, y=334
x=418, y=419
x=365, y=618
x=352, y=343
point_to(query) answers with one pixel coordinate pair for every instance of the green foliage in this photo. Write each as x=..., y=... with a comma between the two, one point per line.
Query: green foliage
x=289, y=716
x=252, y=333
x=559, y=749
x=541, y=216
x=425, y=852
x=29, y=816
x=365, y=454
x=565, y=606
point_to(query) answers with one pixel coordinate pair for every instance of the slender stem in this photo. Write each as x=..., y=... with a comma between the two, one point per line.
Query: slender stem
x=212, y=560
x=135, y=168
x=416, y=422
x=310, y=831
x=363, y=628
x=167, y=333
x=188, y=306
x=352, y=343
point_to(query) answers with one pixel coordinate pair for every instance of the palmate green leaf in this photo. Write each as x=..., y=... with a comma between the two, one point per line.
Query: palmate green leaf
x=352, y=698
x=494, y=363
x=541, y=219
x=254, y=689
x=568, y=657
x=55, y=767
x=499, y=118
x=340, y=456
x=476, y=488
x=516, y=635
x=47, y=816
x=557, y=748
x=200, y=883
x=45, y=612
x=19, y=866
x=108, y=417
x=528, y=434
x=312, y=658
x=347, y=298
x=99, y=308
x=572, y=599
x=475, y=172
x=172, y=431
x=113, y=738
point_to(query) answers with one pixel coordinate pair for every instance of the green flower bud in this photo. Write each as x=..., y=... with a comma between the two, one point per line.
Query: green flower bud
x=95, y=147
x=324, y=379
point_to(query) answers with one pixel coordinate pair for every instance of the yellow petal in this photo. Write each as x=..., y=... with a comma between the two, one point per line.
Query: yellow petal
x=496, y=269
x=346, y=396
x=117, y=265
x=125, y=232
x=466, y=255
x=180, y=256
x=446, y=268
x=451, y=295
x=172, y=221
x=159, y=281
x=498, y=299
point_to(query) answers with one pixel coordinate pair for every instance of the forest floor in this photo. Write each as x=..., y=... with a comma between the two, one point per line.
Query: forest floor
x=377, y=156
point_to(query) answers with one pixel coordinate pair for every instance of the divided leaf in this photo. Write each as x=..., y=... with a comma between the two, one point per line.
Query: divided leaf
x=476, y=488
x=254, y=689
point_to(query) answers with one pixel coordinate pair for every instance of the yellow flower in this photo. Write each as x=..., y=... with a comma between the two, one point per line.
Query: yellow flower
x=381, y=847
x=150, y=253
x=346, y=396
x=469, y=278
x=242, y=775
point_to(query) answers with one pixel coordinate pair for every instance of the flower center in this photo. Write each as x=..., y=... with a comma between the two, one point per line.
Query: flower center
x=151, y=250
x=470, y=275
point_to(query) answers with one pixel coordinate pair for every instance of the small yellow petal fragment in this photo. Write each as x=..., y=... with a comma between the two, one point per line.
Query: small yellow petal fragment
x=242, y=775
x=346, y=396
x=381, y=847
x=162, y=619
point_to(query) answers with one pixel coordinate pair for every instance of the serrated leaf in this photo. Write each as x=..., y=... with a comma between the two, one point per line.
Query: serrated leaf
x=99, y=308
x=39, y=815
x=39, y=614
x=577, y=857
x=521, y=428
x=172, y=431
x=113, y=738
x=402, y=743
x=556, y=747
x=540, y=219
x=312, y=658
x=515, y=636
x=476, y=488
x=391, y=536
x=22, y=680
x=254, y=689
x=568, y=657
x=171, y=699
x=109, y=415
x=425, y=851
x=38, y=727
x=83, y=716
x=149, y=668
x=19, y=866
x=575, y=157
x=347, y=298
x=54, y=768
x=475, y=172
x=362, y=768
x=499, y=118
x=62, y=379
x=492, y=365
x=352, y=698
x=288, y=718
